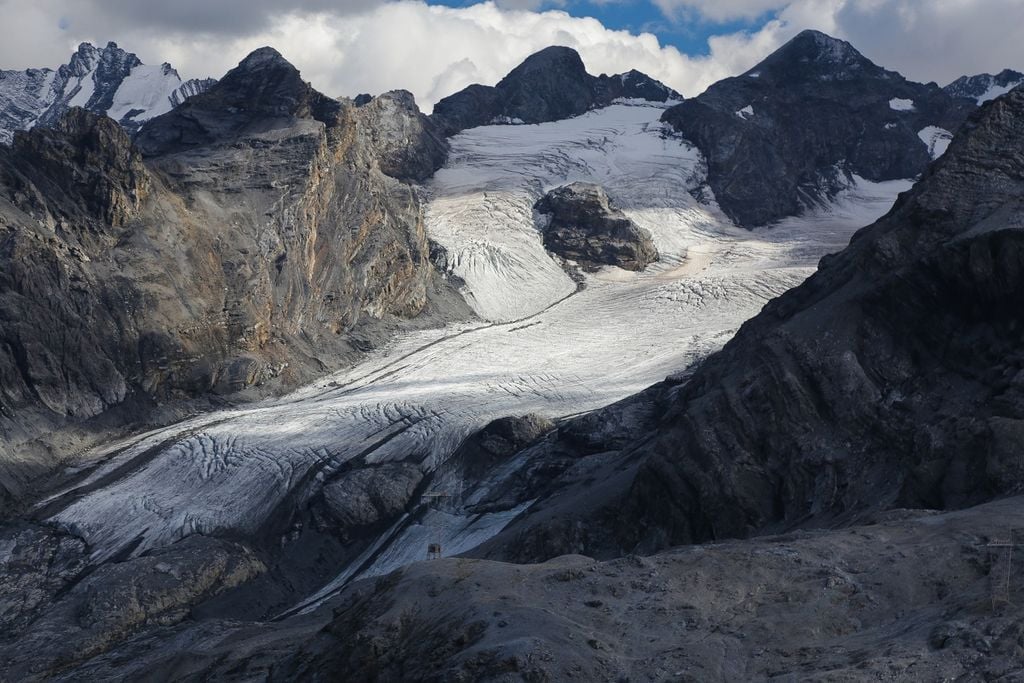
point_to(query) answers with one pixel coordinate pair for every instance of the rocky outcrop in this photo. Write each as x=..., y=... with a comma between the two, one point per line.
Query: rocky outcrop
x=104, y=80
x=495, y=444
x=549, y=85
x=369, y=495
x=789, y=133
x=861, y=390
x=984, y=87
x=581, y=225
x=252, y=238
x=404, y=141
x=101, y=608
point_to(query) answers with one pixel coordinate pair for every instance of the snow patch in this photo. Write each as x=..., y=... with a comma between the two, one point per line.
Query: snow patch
x=746, y=112
x=935, y=139
x=86, y=87
x=898, y=104
x=996, y=90
x=148, y=88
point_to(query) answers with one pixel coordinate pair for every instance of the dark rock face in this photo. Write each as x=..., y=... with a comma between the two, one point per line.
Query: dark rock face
x=788, y=133
x=255, y=236
x=370, y=495
x=263, y=92
x=982, y=85
x=583, y=226
x=549, y=85
x=89, y=163
x=635, y=85
x=496, y=443
x=891, y=378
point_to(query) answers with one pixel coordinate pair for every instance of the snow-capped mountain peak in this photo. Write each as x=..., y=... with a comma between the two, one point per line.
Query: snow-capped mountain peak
x=985, y=87
x=107, y=80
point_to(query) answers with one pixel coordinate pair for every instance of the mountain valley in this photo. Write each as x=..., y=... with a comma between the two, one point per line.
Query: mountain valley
x=713, y=388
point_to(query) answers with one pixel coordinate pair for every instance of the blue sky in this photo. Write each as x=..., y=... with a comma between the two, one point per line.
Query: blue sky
x=688, y=31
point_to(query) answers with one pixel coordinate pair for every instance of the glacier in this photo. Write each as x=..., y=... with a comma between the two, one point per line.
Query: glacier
x=544, y=342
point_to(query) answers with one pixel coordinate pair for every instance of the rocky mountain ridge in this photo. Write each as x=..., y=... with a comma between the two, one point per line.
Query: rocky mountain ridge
x=104, y=80
x=791, y=132
x=227, y=249
x=983, y=87
x=549, y=85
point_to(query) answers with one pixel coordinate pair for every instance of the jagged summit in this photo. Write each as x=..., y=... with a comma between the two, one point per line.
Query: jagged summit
x=260, y=69
x=813, y=53
x=559, y=59
x=824, y=47
x=263, y=57
x=107, y=80
x=264, y=92
x=794, y=130
x=549, y=85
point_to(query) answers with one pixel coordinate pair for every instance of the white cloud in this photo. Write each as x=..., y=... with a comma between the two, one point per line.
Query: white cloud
x=925, y=40
x=372, y=46
x=718, y=10
x=432, y=51
x=936, y=39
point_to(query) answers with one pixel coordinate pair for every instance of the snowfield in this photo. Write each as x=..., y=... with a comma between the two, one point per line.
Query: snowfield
x=541, y=345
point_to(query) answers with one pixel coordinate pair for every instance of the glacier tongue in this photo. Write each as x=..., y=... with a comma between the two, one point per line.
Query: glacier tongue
x=542, y=347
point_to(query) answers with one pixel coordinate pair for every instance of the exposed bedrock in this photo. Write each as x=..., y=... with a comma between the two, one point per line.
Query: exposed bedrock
x=252, y=238
x=581, y=225
x=893, y=377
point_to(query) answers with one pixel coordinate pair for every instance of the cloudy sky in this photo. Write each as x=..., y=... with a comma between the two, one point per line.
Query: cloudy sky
x=345, y=47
